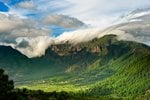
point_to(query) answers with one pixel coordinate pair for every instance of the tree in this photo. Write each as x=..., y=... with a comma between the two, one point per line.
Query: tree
x=6, y=86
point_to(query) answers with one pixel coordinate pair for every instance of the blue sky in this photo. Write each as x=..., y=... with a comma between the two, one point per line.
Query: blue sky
x=3, y=7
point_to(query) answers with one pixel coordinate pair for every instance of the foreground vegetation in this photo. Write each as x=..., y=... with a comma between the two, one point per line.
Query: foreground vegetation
x=8, y=92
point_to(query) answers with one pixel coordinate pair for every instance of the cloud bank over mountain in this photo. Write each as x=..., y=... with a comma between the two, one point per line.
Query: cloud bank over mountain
x=133, y=27
x=31, y=26
x=28, y=36
x=23, y=34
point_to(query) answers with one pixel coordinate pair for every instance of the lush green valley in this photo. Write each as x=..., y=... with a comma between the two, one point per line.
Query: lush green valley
x=101, y=68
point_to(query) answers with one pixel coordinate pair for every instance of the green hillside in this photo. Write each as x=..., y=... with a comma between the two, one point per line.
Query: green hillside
x=99, y=68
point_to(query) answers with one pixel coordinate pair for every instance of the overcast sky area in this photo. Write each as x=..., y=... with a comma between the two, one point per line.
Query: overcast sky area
x=24, y=23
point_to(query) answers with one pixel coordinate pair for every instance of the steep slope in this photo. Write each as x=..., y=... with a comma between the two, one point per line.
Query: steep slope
x=131, y=77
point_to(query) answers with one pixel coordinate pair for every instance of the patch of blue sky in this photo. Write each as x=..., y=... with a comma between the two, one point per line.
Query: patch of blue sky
x=33, y=15
x=14, y=2
x=3, y=7
x=57, y=30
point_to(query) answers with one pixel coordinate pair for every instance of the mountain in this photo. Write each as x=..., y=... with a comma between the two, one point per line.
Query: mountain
x=100, y=67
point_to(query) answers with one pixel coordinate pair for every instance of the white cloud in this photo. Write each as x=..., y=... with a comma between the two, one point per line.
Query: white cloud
x=8, y=23
x=78, y=36
x=15, y=30
x=63, y=21
x=34, y=47
x=27, y=5
x=122, y=34
x=29, y=37
x=138, y=31
x=14, y=26
x=101, y=12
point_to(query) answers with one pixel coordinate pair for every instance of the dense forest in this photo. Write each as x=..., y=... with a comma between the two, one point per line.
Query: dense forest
x=8, y=92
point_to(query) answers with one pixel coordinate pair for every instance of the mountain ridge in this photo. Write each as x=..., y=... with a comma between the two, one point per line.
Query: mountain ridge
x=96, y=66
x=94, y=49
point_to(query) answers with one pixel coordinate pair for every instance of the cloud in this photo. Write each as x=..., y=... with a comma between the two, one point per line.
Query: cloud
x=126, y=33
x=23, y=35
x=13, y=26
x=33, y=47
x=29, y=36
x=23, y=44
x=63, y=21
x=82, y=35
x=8, y=23
x=99, y=12
x=32, y=36
x=138, y=31
x=29, y=5
x=134, y=27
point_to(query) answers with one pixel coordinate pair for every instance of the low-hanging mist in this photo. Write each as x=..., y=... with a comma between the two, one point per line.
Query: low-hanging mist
x=29, y=36
x=132, y=27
